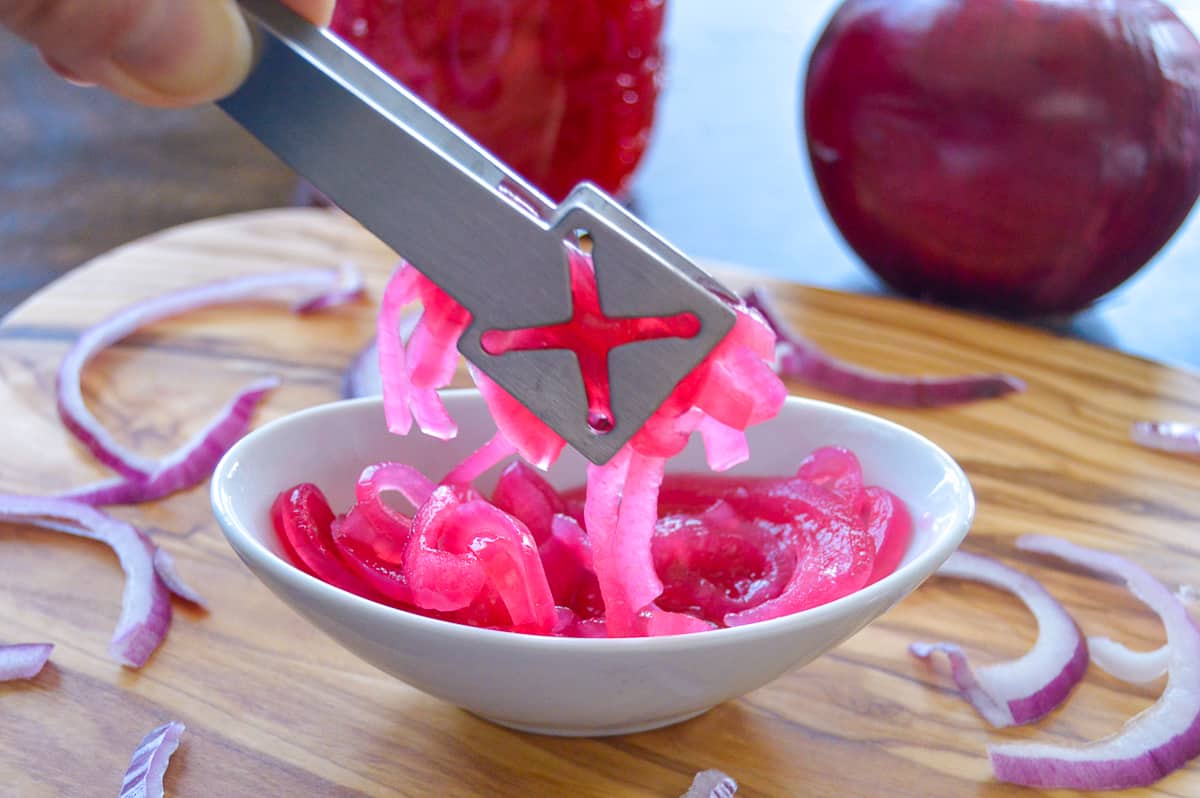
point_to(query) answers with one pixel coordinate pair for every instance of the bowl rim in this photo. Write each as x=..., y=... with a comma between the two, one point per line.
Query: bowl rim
x=248, y=546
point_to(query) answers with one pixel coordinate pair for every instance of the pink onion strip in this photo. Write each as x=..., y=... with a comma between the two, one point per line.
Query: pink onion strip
x=711, y=784
x=724, y=446
x=71, y=406
x=145, y=603
x=397, y=389
x=1154, y=743
x=602, y=503
x=800, y=359
x=1167, y=436
x=402, y=478
x=1023, y=690
x=189, y=465
x=480, y=461
x=23, y=660
x=144, y=776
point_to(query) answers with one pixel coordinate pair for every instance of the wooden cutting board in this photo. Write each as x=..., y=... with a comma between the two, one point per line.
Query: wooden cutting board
x=273, y=708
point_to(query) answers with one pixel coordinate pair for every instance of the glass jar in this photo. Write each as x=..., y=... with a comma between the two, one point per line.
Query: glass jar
x=561, y=90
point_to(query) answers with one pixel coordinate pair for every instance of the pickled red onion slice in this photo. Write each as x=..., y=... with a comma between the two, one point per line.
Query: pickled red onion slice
x=440, y=579
x=374, y=554
x=836, y=554
x=654, y=621
x=402, y=478
x=537, y=444
x=1023, y=690
x=835, y=469
x=718, y=563
x=144, y=776
x=401, y=289
x=601, y=508
x=889, y=524
x=482, y=460
x=509, y=560
x=23, y=660
x=1154, y=743
x=566, y=556
x=724, y=446
x=523, y=493
x=412, y=370
x=304, y=521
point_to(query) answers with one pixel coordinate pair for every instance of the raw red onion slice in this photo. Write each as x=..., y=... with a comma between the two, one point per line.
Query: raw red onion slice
x=71, y=407
x=23, y=660
x=164, y=566
x=363, y=377
x=711, y=784
x=1152, y=744
x=145, y=603
x=187, y=466
x=1023, y=690
x=351, y=286
x=1136, y=667
x=144, y=776
x=800, y=359
x=1169, y=436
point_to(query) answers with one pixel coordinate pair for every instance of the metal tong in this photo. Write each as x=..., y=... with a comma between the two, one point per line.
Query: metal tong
x=476, y=229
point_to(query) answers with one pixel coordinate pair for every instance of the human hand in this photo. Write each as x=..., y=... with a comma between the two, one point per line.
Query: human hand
x=165, y=53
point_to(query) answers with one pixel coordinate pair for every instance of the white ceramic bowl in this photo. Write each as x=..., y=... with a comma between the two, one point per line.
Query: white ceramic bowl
x=576, y=686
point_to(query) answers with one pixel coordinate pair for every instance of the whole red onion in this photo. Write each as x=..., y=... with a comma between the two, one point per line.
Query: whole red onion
x=1021, y=156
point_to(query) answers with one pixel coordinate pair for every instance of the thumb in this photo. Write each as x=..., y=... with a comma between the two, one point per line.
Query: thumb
x=155, y=52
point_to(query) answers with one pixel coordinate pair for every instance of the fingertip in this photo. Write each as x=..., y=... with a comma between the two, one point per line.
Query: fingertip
x=67, y=73
x=318, y=12
x=178, y=53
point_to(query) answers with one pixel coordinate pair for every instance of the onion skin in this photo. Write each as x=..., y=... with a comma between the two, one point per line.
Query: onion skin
x=1020, y=157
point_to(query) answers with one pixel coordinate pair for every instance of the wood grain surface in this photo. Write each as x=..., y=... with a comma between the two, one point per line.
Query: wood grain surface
x=273, y=708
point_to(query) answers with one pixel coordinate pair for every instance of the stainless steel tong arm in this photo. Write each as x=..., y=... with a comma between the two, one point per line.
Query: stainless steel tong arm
x=484, y=235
